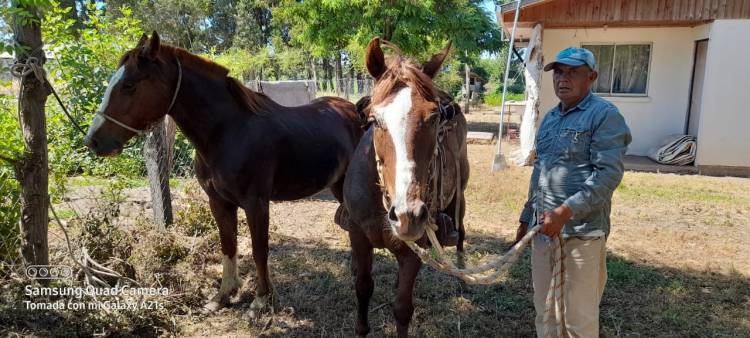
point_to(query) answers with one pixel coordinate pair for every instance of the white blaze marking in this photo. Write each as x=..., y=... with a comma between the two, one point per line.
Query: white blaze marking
x=98, y=120
x=395, y=116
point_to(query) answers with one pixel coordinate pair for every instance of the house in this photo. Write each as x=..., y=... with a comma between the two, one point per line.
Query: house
x=670, y=66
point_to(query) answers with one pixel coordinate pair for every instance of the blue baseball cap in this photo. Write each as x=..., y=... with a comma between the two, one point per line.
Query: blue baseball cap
x=574, y=57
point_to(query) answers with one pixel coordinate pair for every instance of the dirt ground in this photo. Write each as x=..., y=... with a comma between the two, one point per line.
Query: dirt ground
x=678, y=262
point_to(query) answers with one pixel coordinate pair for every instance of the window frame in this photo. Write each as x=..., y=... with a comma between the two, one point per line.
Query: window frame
x=612, y=69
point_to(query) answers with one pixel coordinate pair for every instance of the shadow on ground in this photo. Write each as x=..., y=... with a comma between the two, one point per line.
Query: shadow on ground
x=491, y=127
x=315, y=298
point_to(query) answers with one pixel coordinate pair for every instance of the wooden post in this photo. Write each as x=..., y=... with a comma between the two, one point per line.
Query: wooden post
x=33, y=170
x=157, y=167
x=467, y=97
x=170, y=128
x=532, y=74
x=347, y=81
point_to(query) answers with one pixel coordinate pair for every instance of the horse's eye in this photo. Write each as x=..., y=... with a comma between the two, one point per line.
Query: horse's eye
x=128, y=86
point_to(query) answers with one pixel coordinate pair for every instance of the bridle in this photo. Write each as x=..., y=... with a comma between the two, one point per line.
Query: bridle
x=140, y=132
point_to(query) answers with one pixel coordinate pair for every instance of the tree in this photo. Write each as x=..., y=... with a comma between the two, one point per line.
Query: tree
x=32, y=168
x=183, y=23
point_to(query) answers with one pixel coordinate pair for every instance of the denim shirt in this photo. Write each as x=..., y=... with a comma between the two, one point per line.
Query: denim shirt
x=579, y=164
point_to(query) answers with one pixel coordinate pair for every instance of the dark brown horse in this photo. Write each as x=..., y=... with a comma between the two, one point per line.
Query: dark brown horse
x=404, y=175
x=249, y=149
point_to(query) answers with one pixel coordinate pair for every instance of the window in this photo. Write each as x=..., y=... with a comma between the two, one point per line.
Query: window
x=623, y=68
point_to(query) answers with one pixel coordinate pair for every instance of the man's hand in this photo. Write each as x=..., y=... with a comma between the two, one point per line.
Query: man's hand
x=554, y=220
x=521, y=231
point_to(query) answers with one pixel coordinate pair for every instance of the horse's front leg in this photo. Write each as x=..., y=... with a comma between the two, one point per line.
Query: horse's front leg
x=362, y=253
x=257, y=216
x=225, y=214
x=403, y=309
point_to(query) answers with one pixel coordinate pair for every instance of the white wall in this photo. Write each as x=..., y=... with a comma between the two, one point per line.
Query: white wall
x=664, y=110
x=723, y=135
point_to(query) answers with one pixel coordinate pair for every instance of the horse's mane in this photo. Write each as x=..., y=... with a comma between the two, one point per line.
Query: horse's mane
x=402, y=71
x=256, y=103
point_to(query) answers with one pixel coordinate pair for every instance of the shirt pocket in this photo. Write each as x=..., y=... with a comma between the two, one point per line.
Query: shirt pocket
x=574, y=143
x=545, y=141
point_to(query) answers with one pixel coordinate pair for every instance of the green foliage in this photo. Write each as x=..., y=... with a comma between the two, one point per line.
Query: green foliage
x=10, y=213
x=452, y=78
x=418, y=27
x=80, y=71
x=495, y=99
x=11, y=145
x=10, y=150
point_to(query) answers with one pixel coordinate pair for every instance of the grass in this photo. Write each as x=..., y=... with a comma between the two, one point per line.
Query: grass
x=677, y=267
x=128, y=182
x=496, y=99
x=660, y=192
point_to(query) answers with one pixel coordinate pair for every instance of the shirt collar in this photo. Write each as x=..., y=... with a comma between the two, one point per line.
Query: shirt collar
x=583, y=105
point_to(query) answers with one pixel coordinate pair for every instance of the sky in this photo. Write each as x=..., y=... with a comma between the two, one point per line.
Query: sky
x=489, y=5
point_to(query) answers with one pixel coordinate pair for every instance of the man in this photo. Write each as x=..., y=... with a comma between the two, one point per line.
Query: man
x=579, y=149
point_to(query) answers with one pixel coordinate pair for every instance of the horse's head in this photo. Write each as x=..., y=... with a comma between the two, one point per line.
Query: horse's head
x=404, y=111
x=140, y=93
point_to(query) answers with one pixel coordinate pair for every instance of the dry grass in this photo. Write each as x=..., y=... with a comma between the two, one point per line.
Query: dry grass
x=678, y=267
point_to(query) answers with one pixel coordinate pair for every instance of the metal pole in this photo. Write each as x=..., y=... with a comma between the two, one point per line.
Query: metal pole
x=499, y=162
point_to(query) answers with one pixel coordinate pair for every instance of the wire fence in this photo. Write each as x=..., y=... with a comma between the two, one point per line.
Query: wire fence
x=351, y=89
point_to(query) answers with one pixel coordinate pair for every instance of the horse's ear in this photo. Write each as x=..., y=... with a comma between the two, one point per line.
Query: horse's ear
x=142, y=41
x=432, y=67
x=375, y=60
x=152, y=48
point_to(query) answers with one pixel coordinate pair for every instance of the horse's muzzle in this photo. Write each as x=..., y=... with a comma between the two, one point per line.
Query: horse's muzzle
x=103, y=146
x=409, y=225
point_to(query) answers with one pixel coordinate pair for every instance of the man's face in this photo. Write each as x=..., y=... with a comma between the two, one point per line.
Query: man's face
x=572, y=83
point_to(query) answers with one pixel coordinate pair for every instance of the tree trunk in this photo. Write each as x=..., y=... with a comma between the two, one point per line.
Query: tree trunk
x=33, y=169
x=328, y=75
x=467, y=96
x=337, y=65
x=170, y=127
x=532, y=74
x=157, y=166
x=352, y=82
x=314, y=72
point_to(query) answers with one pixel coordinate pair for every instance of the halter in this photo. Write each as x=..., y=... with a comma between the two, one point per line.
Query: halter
x=171, y=104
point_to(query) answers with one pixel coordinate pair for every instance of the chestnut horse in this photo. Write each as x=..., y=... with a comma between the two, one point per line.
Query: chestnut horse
x=249, y=149
x=408, y=171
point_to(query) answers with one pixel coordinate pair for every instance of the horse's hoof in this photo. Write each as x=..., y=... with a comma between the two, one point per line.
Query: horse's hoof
x=228, y=289
x=216, y=303
x=259, y=306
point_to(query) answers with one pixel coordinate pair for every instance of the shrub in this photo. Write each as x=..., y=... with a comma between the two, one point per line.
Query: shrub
x=195, y=218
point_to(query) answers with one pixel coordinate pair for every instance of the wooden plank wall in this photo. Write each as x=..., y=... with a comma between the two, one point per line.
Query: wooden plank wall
x=571, y=13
